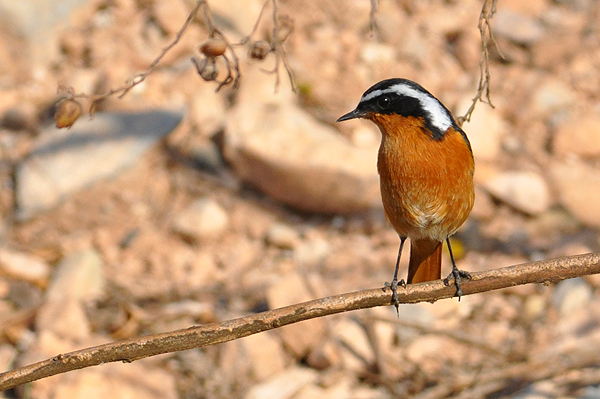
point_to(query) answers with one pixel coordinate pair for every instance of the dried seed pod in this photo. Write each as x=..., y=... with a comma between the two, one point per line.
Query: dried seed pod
x=213, y=47
x=206, y=68
x=259, y=50
x=67, y=112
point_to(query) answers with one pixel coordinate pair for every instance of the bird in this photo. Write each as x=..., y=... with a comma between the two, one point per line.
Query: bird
x=425, y=164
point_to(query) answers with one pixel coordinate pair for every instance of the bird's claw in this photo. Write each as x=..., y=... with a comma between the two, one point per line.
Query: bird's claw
x=394, y=287
x=457, y=275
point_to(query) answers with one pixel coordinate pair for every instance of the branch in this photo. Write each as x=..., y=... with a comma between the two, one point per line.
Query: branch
x=140, y=77
x=133, y=349
x=485, y=30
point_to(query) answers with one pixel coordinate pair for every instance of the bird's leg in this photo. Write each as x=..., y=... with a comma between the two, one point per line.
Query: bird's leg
x=455, y=274
x=394, y=284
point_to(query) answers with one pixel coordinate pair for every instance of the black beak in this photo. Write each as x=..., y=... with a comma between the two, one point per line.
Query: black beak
x=351, y=115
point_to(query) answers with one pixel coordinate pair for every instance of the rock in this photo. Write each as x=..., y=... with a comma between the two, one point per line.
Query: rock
x=538, y=390
x=530, y=8
x=579, y=135
x=65, y=161
x=324, y=356
x=284, y=385
x=517, y=27
x=266, y=355
x=301, y=338
x=65, y=318
x=24, y=295
x=552, y=96
x=426, y=347
x=485, y=130
x=78, y=276
x=138, y=379
x=123, y=382
x=373, y=53
x=484, y=208
x=203, y=218
x=548, y=55
x=312, y=252
x=572, y=295
x=7, y=356
x=356, y=350
x=24, y=267
x=578, y=186
x=282, y=236
x=591, y=392
x=525, y=191
x=286, y=153
x=206, y=155
x=343, y=388
x=38, y=21
x=535, y=306
x=208, y=109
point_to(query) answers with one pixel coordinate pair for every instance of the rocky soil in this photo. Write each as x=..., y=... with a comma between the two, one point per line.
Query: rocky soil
x=178, y=205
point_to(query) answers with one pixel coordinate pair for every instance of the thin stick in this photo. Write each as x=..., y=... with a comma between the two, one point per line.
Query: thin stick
x=485, y=29
x=133, y=349
x=140, y=77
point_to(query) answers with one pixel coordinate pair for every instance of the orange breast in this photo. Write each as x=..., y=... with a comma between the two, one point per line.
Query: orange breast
x=426, y=184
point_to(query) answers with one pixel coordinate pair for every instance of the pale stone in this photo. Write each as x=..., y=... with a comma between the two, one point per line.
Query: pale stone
x=579, y=134
x=24, y=267
x=552, y=96
x=572, y=295
x=79, y=276
x=525, y=191
x=282, y=236
x=203, y=218
x=64, y=161
x=266, y=354
x=517, y=27
x=356, y=348
x=284, y=385
x=65, y=318
x=485, y=130
x=578, y=186
x=285, y=152
x=303, y=337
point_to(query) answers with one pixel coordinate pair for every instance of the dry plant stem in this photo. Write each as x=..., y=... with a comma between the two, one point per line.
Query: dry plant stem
x=372, y=21
x=256, y=24
x=485, y=29
x=280, y=55
x=214, y=31
x=140, y=77
x=195, y=337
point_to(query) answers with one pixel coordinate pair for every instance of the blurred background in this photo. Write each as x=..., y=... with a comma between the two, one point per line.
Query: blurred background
x=179, y=205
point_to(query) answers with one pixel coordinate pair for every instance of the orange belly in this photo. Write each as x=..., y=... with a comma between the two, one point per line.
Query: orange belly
x=426, y=183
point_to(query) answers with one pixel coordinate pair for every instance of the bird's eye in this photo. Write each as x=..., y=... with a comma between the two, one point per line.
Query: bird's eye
x=384, y=102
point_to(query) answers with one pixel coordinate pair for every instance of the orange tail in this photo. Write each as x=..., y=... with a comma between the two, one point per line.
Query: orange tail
x=425, y=260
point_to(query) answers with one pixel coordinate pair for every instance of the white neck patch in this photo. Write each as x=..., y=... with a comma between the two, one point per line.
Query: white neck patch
x=438, y=114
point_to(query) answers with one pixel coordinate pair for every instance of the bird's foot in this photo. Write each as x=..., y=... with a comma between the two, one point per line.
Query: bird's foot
x=394, y=287
x=457, y=275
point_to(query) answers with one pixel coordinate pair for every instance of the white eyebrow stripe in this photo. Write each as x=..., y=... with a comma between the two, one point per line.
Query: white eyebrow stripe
x=439, y=116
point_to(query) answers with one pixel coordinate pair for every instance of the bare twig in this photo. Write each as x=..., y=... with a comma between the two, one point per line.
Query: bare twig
x=277, y=45
x=233, y=67
x=372, y=21
x=140, y=77
x=485, y=29
x=195, y=337
x=246, y=39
